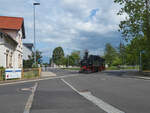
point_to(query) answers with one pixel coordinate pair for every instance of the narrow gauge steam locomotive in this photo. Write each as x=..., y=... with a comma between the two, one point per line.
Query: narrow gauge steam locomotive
x=91, y=63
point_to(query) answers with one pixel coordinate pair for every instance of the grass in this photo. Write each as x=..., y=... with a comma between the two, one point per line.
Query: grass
x=77, y=68
x=31, y=74
x=125, y=67
x=112, y=68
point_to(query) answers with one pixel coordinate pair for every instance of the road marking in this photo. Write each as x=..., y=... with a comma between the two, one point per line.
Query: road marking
x=40, y=79
x=100, y=103
x=27, y=89
x=30, y=99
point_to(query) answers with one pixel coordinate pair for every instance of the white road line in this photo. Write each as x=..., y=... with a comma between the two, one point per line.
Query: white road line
x=48, y=78
x=100, y=103
x=30, y=99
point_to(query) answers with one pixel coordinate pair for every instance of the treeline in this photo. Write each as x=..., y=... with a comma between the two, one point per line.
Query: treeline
x=59, y=58
x=123, y=54
x=135, y=28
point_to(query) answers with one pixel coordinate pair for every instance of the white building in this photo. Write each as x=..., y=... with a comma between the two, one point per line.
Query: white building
x=27, y=50
x=11, y=34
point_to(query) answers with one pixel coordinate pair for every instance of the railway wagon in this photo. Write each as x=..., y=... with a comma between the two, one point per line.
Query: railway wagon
x=91, y=63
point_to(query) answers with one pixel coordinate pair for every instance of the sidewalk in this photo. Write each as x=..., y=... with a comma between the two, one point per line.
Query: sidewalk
x=139, y=75
x=47, y=74
x=132, y=74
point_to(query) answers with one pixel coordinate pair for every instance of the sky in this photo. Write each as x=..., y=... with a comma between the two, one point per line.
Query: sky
x=71, y=24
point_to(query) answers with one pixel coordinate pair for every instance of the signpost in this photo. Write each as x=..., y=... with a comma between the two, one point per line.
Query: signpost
x=12, y=73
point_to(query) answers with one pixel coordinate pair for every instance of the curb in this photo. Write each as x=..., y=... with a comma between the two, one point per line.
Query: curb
x=22, y=80
x=144, y=78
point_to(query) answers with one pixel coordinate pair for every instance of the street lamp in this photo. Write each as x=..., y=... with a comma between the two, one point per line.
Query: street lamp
x=34, y=4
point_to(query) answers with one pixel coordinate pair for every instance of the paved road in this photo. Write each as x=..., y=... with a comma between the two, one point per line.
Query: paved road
x=128, y=94
x=13, y=99
x=114, y=88
x=60, y=72
x=54, y=96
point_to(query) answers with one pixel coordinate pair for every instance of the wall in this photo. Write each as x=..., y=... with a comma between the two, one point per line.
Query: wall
x=2, y=55
x=26, y=52
x=16, y=51
x=7, y=47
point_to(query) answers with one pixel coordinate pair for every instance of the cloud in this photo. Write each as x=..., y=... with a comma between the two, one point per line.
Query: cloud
x=74, y=24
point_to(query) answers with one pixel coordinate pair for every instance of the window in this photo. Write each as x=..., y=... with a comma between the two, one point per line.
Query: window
x=10, y=61
x=7, y=65
x=19, y=61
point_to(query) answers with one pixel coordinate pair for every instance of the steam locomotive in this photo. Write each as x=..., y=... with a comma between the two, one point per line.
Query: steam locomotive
x=91, y=63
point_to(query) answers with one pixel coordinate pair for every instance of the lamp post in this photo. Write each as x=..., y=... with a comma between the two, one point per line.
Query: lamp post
x=34, y=4
x=140, y=61
x=68, y=61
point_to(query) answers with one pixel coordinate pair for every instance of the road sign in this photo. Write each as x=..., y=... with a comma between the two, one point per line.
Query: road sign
x=12, y=73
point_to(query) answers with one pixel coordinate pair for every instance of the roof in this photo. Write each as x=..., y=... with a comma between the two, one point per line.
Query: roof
x=12, y=23
x=28, y=45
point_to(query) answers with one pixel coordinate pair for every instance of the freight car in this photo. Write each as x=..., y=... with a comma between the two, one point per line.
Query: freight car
x=91, y=63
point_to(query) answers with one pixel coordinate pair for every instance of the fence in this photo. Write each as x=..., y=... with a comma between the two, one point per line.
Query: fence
x=31, y=72
x=2, y=74
x=26, y=73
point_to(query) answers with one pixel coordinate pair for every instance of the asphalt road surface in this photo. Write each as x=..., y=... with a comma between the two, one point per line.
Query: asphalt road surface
x=105, y=92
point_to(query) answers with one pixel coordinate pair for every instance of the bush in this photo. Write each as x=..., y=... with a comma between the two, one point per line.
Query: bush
x=35, y=65
x=116, y=62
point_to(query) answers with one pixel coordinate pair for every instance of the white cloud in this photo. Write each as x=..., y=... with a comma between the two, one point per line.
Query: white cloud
x=65, y=22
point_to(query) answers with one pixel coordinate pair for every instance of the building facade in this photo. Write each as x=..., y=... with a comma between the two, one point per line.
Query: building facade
x=11, y=47
x=27, y=50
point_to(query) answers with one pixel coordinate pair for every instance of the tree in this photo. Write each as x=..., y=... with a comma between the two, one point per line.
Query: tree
x=136, y=24
x=58, y=54
x=110, y=54
x=74, y=58
x=132, y=50
x=29, y=63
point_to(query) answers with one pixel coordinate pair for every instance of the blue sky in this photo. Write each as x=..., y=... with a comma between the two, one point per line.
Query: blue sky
x=72, y=24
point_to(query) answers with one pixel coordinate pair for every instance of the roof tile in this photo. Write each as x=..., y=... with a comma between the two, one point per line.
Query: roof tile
x=14, y=23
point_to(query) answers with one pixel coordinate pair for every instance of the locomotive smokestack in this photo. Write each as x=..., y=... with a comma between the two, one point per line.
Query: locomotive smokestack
x=86, y=54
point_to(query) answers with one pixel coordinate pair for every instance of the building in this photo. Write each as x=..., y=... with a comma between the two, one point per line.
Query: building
x=27, y=50
x=11, y=48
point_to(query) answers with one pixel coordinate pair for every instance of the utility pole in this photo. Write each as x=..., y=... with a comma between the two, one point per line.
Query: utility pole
x=34, y=4
x=68, y=61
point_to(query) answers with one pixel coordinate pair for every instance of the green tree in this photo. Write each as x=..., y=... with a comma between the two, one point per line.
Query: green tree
x=136, y=24
x=29, y=63
x=132, y=50
x=75, y=57
x=58, y=54
x=64, y=61
x=110, y=54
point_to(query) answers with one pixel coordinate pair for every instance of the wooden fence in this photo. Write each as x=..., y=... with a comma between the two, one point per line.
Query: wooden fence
x=2, y=72
x=26, y=73
x=31, y=72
